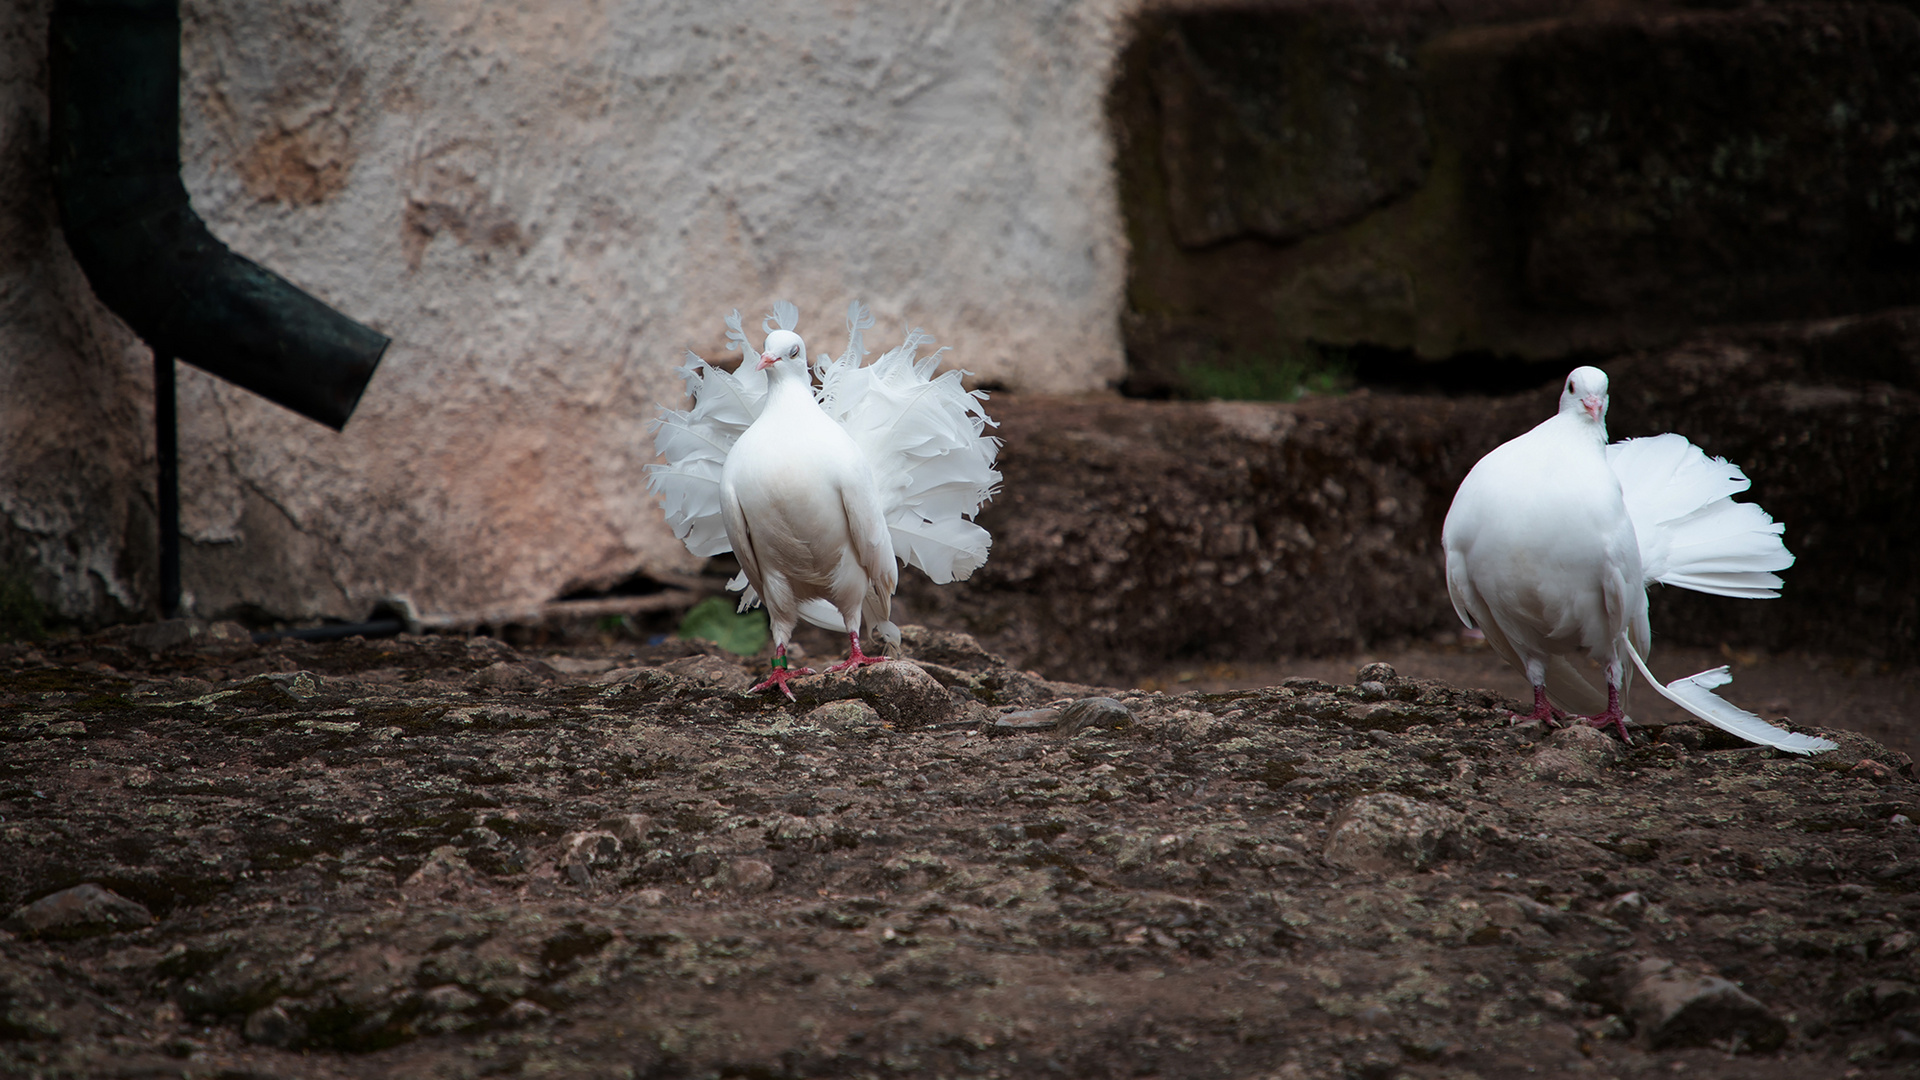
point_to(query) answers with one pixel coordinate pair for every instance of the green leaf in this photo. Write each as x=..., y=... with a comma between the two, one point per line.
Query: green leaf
x=713, y=619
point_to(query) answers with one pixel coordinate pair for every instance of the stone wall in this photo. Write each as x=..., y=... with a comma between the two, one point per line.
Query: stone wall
x=543, y=204
x=1510, y=179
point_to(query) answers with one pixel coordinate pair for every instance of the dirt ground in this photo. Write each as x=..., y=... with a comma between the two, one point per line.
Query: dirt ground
x=442, y=857
x=1875, y=698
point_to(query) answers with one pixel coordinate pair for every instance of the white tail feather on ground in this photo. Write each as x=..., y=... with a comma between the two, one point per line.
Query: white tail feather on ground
x=1695, y=694
x=923, y=435
x=1691, y=532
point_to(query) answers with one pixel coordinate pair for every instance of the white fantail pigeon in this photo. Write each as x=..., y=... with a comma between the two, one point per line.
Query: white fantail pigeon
x=820, y=491
x=1552, y=541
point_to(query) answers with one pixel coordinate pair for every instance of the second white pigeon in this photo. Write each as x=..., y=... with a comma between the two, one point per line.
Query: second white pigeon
x=821, y=491
x=1554, y=536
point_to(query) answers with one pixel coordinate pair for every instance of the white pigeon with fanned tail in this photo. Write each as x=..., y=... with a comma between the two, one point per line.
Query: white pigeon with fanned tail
x=818, y=490
x=1554, y=537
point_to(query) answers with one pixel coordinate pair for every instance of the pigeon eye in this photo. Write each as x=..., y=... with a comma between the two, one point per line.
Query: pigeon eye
x=793, y=352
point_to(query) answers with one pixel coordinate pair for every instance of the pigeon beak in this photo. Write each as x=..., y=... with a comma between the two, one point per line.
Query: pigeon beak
x=1593, y=406
x=767, y=360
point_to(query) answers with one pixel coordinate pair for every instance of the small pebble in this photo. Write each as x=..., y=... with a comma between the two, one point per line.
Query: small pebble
x=1028, y=720
x=81, y=911
x=1627, y=907
x=522, y=1012
x=1376, y=672
x=1095, y=712
x=1871, y=771
x=1674, y=1007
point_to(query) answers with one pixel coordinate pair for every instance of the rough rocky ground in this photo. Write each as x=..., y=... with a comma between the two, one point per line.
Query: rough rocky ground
x=438, y=857
x=1878, y=699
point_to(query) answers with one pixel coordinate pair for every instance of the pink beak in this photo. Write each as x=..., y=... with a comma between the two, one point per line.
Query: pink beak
x=767, y=360
x=1592, y=405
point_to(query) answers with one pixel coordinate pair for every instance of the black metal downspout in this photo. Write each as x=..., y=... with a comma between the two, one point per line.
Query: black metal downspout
x=114, y=97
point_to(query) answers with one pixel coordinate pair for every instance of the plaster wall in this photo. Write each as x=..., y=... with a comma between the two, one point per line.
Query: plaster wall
x=543, y=203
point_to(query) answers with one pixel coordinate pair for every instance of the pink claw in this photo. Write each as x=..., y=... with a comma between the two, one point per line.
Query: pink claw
x=1542, y=710
x=858, y=658
x=782, y=674
x=1614, y=717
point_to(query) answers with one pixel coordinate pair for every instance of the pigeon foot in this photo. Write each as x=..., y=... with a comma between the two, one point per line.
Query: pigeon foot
x=857, y=659
x=782, y=674
x=779, y=680
x=1612, y=718
x=1615, y=716
x=1543, y=712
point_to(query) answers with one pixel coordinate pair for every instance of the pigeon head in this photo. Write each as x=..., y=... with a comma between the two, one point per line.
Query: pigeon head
x=782, y=346
x=1585, y=395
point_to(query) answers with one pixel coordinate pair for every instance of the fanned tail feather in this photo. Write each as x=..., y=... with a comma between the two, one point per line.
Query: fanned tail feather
x=1692, y=534
x=925, y=437
x=859, y=320
x=695, y=442
x=685, y=493
x=785, y=316
x=736, y=336
x=1695, y=694
x=842, y=378
x=945, y=550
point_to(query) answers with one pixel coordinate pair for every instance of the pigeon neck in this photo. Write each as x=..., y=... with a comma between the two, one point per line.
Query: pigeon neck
x=788, y=378
x=1575, y=420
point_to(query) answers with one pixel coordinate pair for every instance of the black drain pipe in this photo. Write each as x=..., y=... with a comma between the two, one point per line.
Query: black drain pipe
x=114, y=117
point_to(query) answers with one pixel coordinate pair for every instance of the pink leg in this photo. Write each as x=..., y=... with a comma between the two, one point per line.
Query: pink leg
x=857, y=658
x=782, y=674
x=1542, y=711
x=1615, y=716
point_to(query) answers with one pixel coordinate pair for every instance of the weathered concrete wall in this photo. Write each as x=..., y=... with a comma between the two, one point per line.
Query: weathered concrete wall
x=543, y=203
